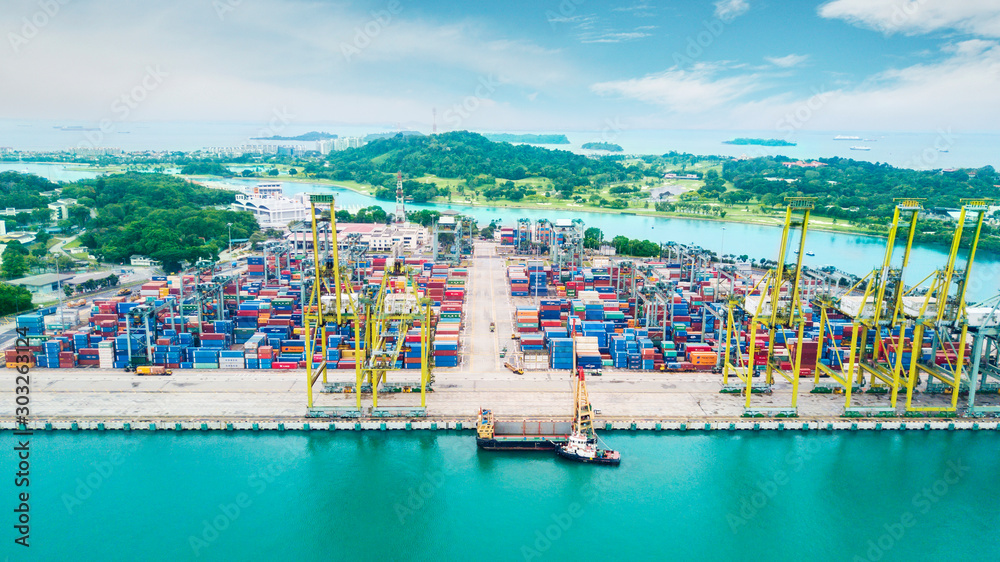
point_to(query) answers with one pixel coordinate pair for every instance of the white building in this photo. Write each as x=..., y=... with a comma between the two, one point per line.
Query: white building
x=378, y=237
x=347, y=142
x=270, y=207
x=60, y=208
x=143, y=261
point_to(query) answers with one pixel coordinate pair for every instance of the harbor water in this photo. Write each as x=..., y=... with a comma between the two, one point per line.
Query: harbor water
x=818, y=496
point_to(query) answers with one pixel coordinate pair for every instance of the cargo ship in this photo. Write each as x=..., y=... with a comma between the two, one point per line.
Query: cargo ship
x=529, y=435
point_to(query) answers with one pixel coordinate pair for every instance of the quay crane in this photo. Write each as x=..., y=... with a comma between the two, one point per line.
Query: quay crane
x=879, y=310
x=944, y=312
x=769, y=311
x=379, y=317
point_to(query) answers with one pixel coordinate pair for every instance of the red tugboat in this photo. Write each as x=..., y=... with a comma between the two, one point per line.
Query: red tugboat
x=582, y=445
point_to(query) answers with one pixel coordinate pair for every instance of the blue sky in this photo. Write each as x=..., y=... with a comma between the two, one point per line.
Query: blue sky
x=888, y=65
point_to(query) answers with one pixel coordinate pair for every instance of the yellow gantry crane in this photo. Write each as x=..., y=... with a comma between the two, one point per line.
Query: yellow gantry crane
x=769, y=311
x=943, y=311
x=879, y=309
x=379, y=317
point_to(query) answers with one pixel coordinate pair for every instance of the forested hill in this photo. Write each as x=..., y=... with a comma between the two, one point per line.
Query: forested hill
x=21, y=191
x=159, y=216
x=856, y=190
x=461, y=154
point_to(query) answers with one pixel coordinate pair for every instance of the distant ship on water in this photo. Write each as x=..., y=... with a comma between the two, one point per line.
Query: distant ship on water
x=846, y=137
x=861, y=148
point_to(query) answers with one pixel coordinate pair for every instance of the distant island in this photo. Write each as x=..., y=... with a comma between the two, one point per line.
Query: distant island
x=527, y=138
x=377, y=136
x=608, y=146
x=310, y=136
x=760, y=142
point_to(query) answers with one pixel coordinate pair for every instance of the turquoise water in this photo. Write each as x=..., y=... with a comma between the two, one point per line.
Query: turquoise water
x=433, y=496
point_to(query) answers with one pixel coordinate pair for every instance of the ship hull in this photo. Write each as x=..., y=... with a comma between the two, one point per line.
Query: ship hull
x=587, y=460
x=518, y=444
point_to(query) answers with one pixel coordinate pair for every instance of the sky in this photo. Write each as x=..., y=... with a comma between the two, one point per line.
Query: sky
x=569, y=65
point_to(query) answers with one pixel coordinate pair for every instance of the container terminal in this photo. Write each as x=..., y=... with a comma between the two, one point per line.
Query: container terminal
x=314, y=332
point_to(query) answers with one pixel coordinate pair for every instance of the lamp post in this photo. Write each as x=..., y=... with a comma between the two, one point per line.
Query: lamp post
x=230, y=226
x=722, y=247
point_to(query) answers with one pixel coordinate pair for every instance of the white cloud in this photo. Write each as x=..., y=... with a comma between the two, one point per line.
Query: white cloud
x=695, y=90
x=613, y=37
x=787, y=61
x=728, y=10
x=957, y=93
x=261, y=55
x=980, y=17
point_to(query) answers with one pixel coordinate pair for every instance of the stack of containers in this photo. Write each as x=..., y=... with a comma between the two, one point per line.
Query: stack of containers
x=506, y=236
x=532, y=342
x=810, y=354
x=265, y=356
x=255, y=267
x=561, y=353
x=229, y=359
x=518, y=281
x=106, y=354
x=538, y=283
x=152, y=289
x=527, y=319
x=588, y=356
x=205, y=357
x=703, y=360
x=31, y=324
x=648, y=353
x=445, y=347
x=411, y=349
x=16, y=358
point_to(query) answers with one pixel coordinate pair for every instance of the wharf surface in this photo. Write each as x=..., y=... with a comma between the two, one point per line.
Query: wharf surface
x=276, y=399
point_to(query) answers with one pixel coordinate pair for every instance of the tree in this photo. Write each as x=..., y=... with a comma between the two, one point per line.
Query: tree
x=272, y=172
x=247, y=173
x=14, y=299
x=14, y=265
x=592, y=237
x=42, y=237
x=292, y=171
x=78, y=215
x=68, y=290
x=258, y=237
x=43, y=215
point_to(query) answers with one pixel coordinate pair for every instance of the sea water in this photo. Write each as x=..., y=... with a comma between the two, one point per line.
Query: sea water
x=819, y=496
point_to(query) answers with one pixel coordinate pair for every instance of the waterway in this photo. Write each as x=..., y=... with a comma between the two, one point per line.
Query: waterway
x=432, y=496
